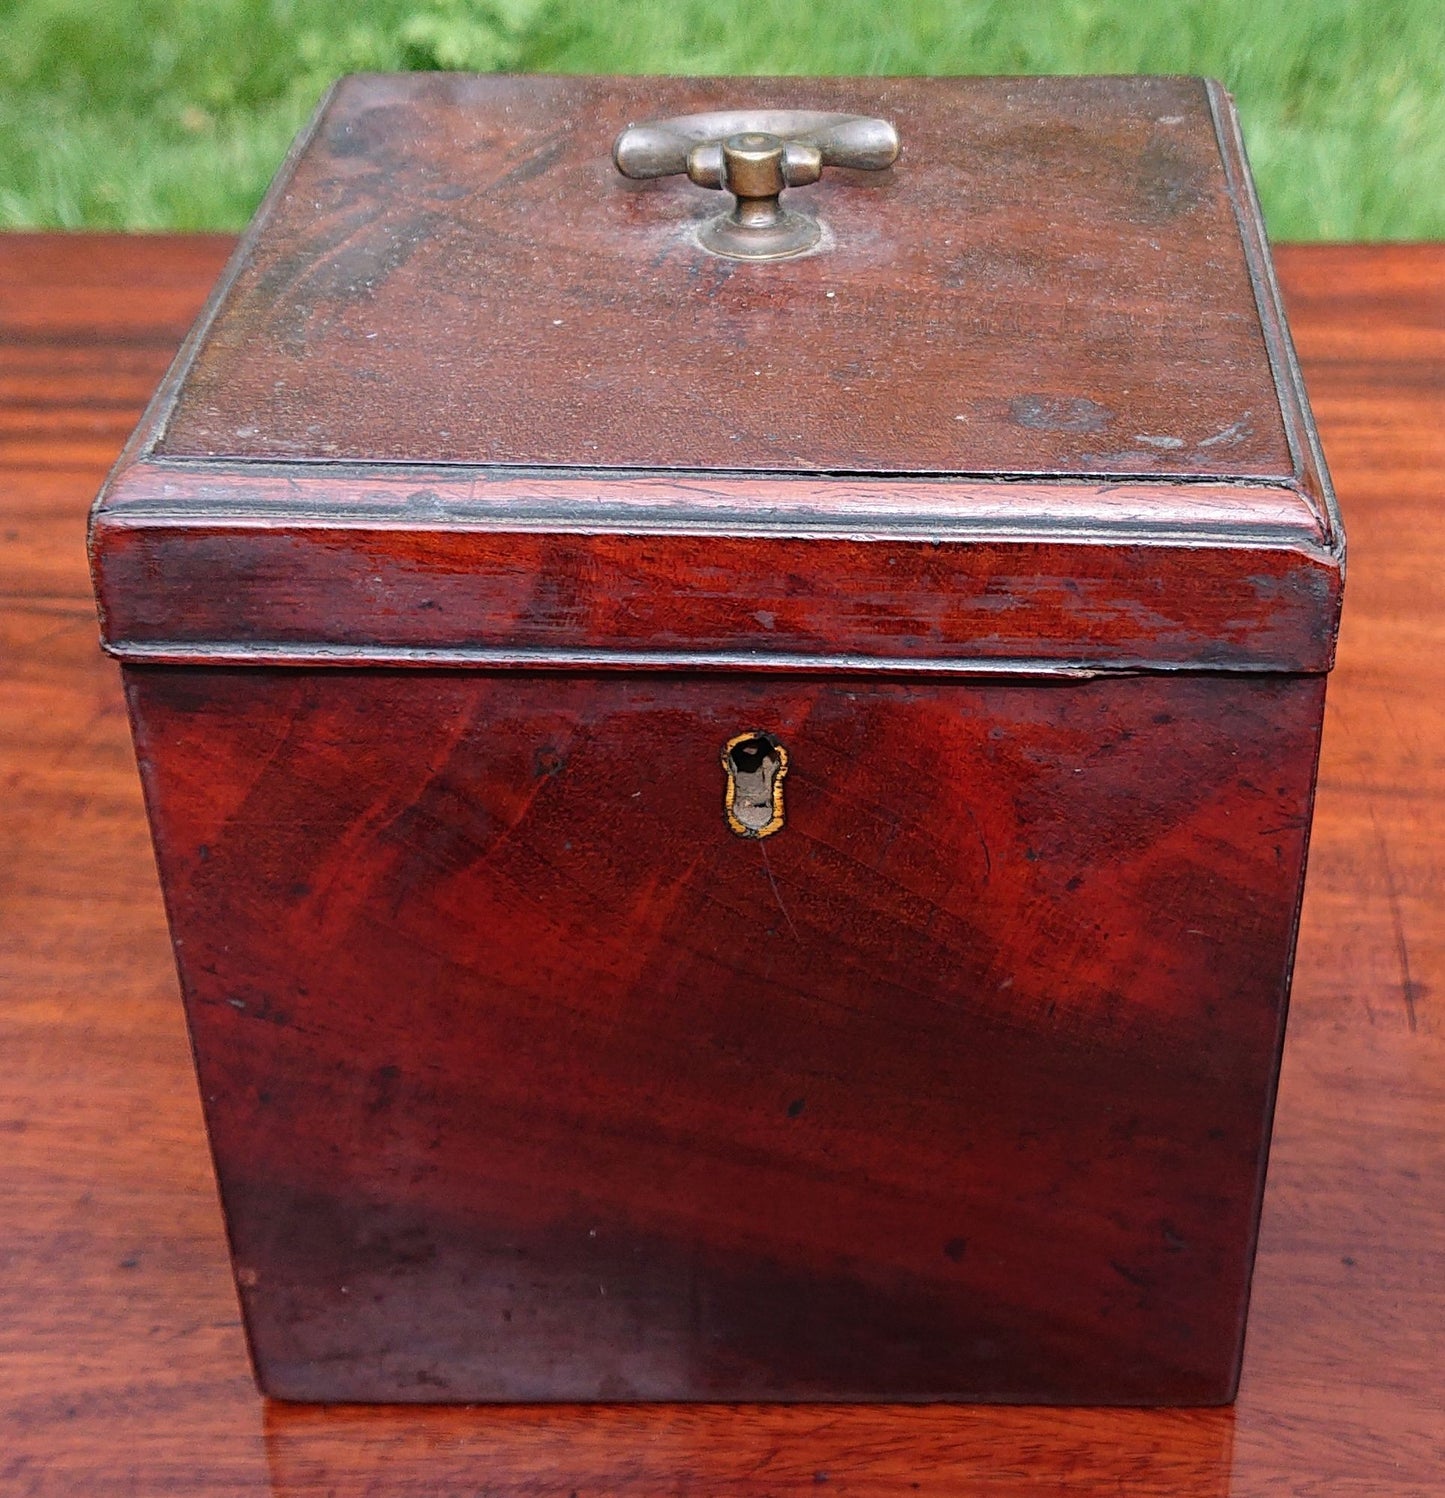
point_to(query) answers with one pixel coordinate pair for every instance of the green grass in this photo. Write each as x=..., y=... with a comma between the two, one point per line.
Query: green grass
x=149, y=114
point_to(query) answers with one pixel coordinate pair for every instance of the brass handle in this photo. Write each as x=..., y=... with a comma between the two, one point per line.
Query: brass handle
x=755, y=154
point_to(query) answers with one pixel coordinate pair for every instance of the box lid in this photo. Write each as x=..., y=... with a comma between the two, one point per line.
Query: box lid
x=468, y=393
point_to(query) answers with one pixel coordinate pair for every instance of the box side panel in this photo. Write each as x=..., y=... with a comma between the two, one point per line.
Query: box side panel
x=944, y=598
x=528, y=1079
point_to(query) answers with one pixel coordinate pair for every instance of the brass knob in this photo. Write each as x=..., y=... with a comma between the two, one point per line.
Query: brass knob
x=755, y=155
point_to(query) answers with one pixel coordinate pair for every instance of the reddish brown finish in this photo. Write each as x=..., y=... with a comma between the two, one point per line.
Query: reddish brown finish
x=527, y=1079
x=1061, y=290
x=1051, y=280
x=307, y=595
x=121, y=1363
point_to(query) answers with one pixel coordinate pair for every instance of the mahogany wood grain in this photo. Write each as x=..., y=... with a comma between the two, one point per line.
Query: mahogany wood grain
x=527, y=1079
x=243, y=595
x=977, y=310
x=456, y=402
x=121, y=1363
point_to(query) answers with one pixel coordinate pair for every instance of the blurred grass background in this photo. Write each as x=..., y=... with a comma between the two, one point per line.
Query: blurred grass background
x=151, y=114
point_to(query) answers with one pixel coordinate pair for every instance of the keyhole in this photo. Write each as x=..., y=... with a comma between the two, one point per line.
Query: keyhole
x=755, y=764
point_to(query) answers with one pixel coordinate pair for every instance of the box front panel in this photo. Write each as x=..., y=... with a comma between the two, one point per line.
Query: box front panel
x=529, y=1078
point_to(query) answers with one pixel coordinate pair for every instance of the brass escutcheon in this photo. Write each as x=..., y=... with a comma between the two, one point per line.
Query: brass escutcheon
x=755, y=764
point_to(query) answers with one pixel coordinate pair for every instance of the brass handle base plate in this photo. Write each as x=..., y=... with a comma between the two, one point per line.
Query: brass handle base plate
x=787, y=234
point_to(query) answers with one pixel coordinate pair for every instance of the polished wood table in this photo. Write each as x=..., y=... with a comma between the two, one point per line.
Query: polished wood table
x=122, y=1364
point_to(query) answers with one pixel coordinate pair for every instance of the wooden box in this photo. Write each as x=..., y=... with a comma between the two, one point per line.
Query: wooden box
x=733, y=826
